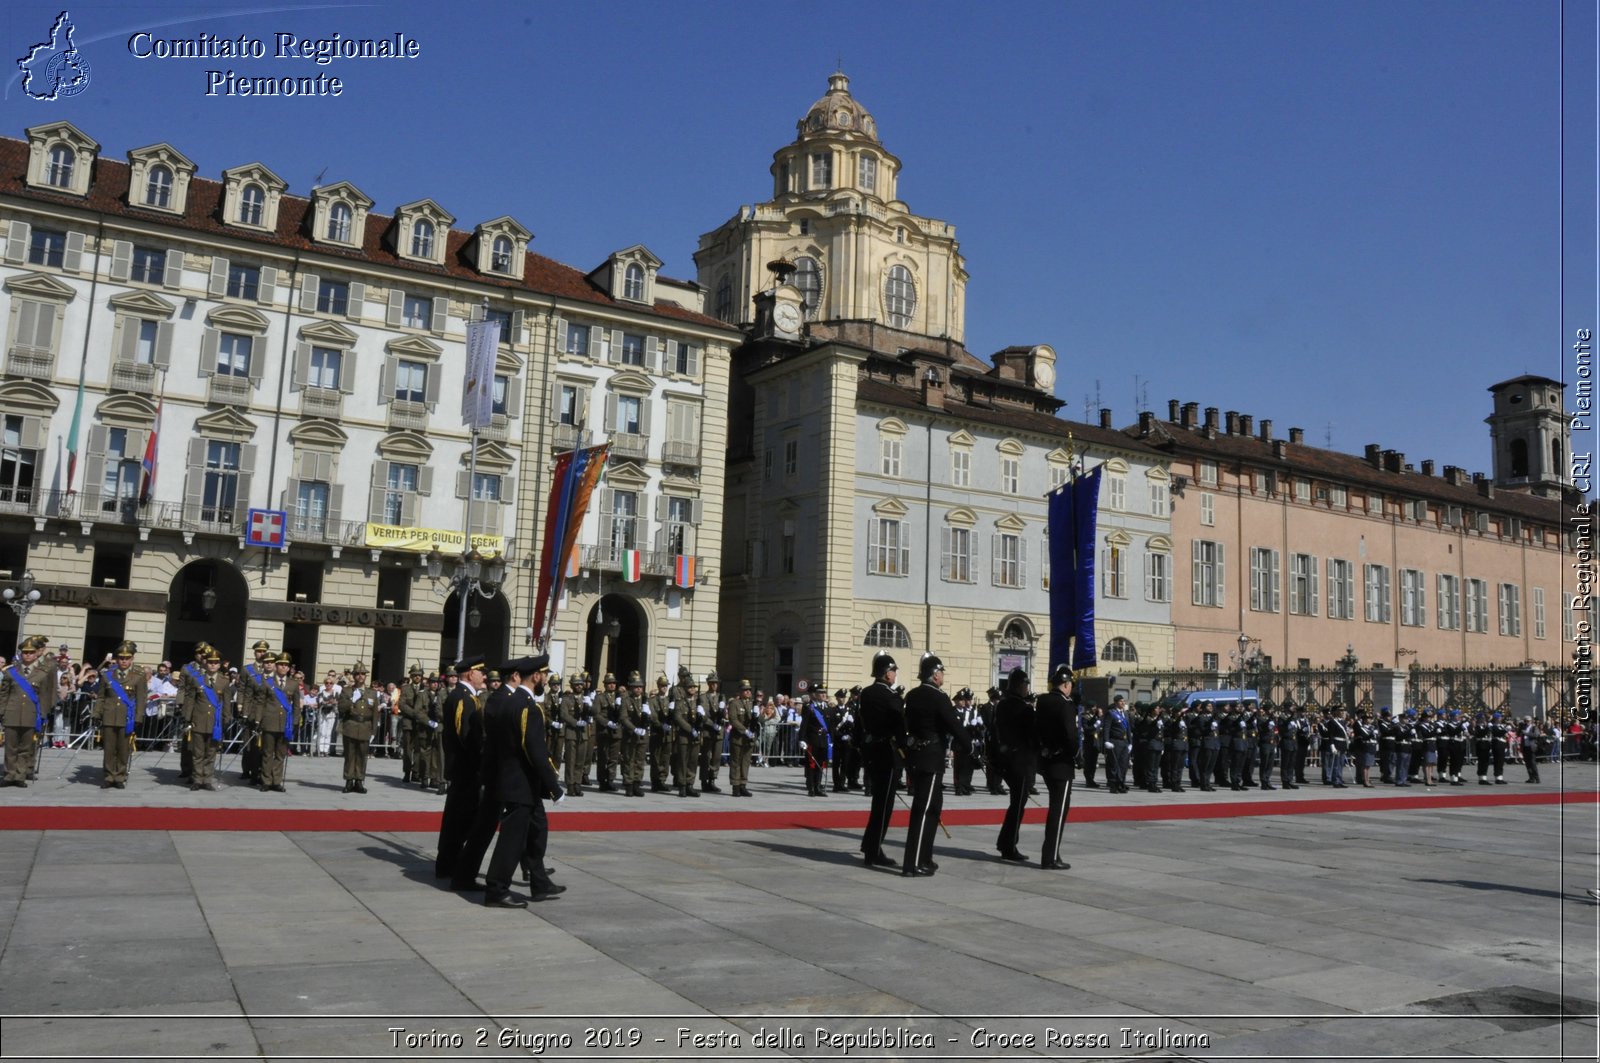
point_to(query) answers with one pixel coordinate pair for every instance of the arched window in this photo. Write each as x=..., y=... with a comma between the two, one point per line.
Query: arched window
x=1519, y=457
x=1016, y=631
x=62, y=161
x=340, y=219
x=633, y=282
x=1120, y=651
x=808, y=278
x=158, y=187
x=900, y=297
x=251, y=205
x=501, y=255
x=889, y=633
x=422, y=238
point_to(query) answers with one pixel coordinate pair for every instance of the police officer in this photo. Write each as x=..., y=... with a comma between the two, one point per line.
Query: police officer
x=963, y=756
x=1017, y=742
x=882, y=730
x=1387, y=733
x=1177, y=748
x=993, y=773
x=1118, y=735
x=816, y=743
x=1208, y=724
x=118, y=707
x=358, y=718
x=1405, y=733
x=742, y=727
x=931, y=724
x=203, y=705
x=841, y=724
x=1056, y=735
x=1289, y=739
x=1266, y=745
x=1091, y=726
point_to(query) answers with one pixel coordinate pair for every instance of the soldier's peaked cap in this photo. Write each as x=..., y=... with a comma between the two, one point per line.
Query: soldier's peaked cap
x=744, y=684
x=477, y=660
x=126, y=649
x=525, y=665
x=283, y=658
x=262, y=644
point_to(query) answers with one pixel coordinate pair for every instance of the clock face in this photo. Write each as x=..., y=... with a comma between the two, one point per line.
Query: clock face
x=786, y=317
x=1044, y=374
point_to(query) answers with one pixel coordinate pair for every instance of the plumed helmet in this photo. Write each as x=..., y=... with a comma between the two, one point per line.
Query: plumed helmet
x=1060, y=674
x=609, y=679
x=964, y=694
x=927, y=666
x=1017, y=682
x=882, y=663
x=635, y=679
x=711, y=677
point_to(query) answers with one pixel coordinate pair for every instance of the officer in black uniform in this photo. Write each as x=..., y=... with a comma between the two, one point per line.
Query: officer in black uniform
x=1118, y=734
x=993, y=772
x=1056, y=735
x=1387, y=732
x=519, y=775
x=931, y=725
x=463, y=752
x=882, y=727
x=1091, y=723
x=1017, y=741
x=1176, y=736
x=1266, y=745
x=963, y=757
x=842, y=725
x=1207, y=726
x=1289, y=738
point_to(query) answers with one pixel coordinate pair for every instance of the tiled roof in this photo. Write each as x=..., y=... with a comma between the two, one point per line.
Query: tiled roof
x=886, y=394
x=108, y=194
x=1348, y=469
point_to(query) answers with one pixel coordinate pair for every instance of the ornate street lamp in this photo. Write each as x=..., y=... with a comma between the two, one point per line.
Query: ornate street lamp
x=21, y=598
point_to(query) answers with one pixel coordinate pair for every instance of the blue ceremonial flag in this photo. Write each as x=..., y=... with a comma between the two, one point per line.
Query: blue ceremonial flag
x=1073, y=511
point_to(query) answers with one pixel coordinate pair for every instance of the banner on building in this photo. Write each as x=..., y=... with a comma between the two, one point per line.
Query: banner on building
x=477, y=393
x=631, y=565
x=1074, y=509
x=422, y=540
x=265, y=528
x=576, y=474
x=683, y=571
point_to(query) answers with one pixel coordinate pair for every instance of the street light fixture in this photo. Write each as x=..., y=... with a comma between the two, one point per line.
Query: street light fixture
x=22, y=598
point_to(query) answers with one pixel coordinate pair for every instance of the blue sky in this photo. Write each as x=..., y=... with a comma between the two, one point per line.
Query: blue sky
x=1334, y=214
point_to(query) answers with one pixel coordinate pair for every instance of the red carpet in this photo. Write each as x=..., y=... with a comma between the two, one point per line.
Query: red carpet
x=811, y=816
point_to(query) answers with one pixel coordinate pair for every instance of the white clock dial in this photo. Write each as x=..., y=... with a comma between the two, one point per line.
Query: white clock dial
x=1044, y=374
x=786, y=317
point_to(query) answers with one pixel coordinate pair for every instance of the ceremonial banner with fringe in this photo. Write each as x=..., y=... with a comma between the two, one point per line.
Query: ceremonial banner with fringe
x=576, y=474
x=1074, y=508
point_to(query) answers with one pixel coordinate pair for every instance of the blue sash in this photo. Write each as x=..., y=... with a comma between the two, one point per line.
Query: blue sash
x=33, y=696
x=824, y=724
x=216, y=708
x=122, y=696
x=288, y=713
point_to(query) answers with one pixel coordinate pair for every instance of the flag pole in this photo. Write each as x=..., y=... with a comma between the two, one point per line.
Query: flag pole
x=464, y=586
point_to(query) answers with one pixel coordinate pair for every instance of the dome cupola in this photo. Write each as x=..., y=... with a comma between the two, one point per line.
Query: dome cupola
x=838, y=112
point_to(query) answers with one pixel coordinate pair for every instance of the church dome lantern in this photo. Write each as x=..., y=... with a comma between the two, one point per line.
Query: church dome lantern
x=838, y=112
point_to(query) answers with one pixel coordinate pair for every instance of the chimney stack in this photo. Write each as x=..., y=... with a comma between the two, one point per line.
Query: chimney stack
x=1297, y=436
x=1375, y=455
x=1280, y=449
x=1454, y=475
x=1191, y=414
x=1233, y=422
x=1266, y=429
x=1211, y=418
x=1147, y=423
x=932, y=389
x=1427, y=466
x=1247, y=424
x=1173, y=407
x=1105, y=417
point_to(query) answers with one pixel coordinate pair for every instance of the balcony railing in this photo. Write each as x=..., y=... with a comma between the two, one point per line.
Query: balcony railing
x=36, y=362
x=322, y=402
x=405, y=414
x=567, y=437
x=15, y=499
x=604, y=558
x=228, y=390
x=630, y=445
x=674, y=453
x=137, y=377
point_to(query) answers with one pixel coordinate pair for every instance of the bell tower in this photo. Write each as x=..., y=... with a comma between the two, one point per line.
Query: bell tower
x=1531, y=433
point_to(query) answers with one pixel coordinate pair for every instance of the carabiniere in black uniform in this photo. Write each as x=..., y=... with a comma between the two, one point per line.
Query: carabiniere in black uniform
x=881, y=727
x=1056, y=729
x=931, y=722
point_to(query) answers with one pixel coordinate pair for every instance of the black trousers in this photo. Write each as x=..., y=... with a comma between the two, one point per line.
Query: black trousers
x=882, y=779
x=1055, y=819
x=927, y=802
x=460, y=812
x=1017, y=778
x=1091, y=758
x=480, y=835
x=1266, y=755
x=524, y=837
x=1206, y=767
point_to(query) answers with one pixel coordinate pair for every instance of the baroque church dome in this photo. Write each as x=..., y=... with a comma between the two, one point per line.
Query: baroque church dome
x=838, y=112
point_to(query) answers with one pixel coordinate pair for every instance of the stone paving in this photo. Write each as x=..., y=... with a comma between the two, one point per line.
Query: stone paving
x=1397, y=933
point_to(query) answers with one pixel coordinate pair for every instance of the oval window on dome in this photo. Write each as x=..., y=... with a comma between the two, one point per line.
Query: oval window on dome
x=844, y=119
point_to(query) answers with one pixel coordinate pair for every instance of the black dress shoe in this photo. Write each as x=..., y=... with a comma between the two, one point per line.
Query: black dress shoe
x=503, y=900
x=468, y=887
x=931, y=865
x=1056, y=865
x=928, y=869
x=1013, y=856
x=915, y=872
x=878, y=859
x=361, y=787
x=547, y=894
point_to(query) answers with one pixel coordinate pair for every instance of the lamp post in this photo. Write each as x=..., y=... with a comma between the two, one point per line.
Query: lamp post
x=1347, y=675
x=473, y=575
x=21, y=598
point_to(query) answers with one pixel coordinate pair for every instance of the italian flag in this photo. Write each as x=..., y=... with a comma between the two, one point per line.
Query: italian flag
x=630, y=565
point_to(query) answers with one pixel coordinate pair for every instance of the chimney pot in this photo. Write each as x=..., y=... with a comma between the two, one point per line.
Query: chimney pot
x=1375, y=455
x=1173, y=406
x=1233, y=422
x=1297, y=435
x=1247, y=424
x=1147, y=422
x=1191, y=414
x=1266, y=429
x=1105, y=417
x=1211, y=418
x=1427, y=466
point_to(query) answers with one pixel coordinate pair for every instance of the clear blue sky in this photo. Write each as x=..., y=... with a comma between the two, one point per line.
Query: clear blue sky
x=1346, y=213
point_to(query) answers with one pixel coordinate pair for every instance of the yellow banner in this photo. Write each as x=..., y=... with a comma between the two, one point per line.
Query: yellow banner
x=421, y=540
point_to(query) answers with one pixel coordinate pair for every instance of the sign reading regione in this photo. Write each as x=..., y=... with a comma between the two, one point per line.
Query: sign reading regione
x=265, y=528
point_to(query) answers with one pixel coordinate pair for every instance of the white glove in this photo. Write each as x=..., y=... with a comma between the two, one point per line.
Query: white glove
x=749, y=734
x=647, y=710
x=699, y=710
x=722, y=704
x=433, y=725
x=588, y=699
x=639, y=731
x=559, y=798
x=556, y=726
x=611, y=724
x=802, y=747
x=1108, y=745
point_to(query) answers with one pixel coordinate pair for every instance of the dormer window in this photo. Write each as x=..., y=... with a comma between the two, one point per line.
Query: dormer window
x=252, y=205
x=422, y=239
x=633, y=282
x=340, y=220
x=158, y=188
x=501, y=246
x=62, y=161
x=500, y=259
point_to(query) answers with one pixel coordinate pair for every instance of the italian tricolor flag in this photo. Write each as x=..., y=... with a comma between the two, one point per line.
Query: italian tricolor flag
x=630, y=565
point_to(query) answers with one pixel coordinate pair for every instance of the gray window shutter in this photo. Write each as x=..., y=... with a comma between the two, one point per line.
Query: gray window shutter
x=994, y=559
x=1022, y=561
x=1222, y=580
x=440, y=319
x=607, y=520
x=596, y=347
x=194, y=486
x=247, y=468
x=558, y=331
x=300, y=368
x=347, y=372
x=121, y=260
x=475, y=312
x=661, y=507
x=323, y=466
x=944, y=553
x=431, y=388
x=644, y=415
x=290, y=499
x=555, y=403
x=397, y=301
x=425, y=480
x=208, y=351
x=513, y=397
x=267, y=291
x=380, y=483
x=163, y=358
x=335, y=506
x=32, y=433
x=309, y=284
x=27, y=314
x=72, y=261
x=386, y=381
x=94, y=468
x=358, y=300
x=463, y=483
x=694, y=359
x=611, y=414
x=616, y=345
x=659, y=542
x=219, y=277
x=17, y=242
x=408, y=509
x=517, y=321
x=696, y=509
x=126, y=343
x=652, y=354
x=172, y=272
x=258, y=359
x=508, y=485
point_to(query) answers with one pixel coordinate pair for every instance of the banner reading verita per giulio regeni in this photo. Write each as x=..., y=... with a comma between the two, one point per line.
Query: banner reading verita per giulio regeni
x=421, y=540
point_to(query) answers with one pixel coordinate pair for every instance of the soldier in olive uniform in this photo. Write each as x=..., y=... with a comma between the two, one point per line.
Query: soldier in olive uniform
x=743, y=725
x=204, y=705
x=683, y=703
x=276, y=721
x=634, y=735
x=660, y=727
x=568, y=721
x=118, y=707
x=605, y=729
x=413, y=690
x=26, y=687
x=432, y=750
x=250, y=690
x=358, y=718
x=712, y=712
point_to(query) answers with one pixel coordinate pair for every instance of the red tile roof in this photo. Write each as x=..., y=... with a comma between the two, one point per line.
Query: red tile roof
x=108, y=194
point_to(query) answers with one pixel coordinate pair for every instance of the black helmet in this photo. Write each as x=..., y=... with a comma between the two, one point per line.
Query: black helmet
x=1060, y=674
x=929, y=665
x=1017, y=682
x=881, y=665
